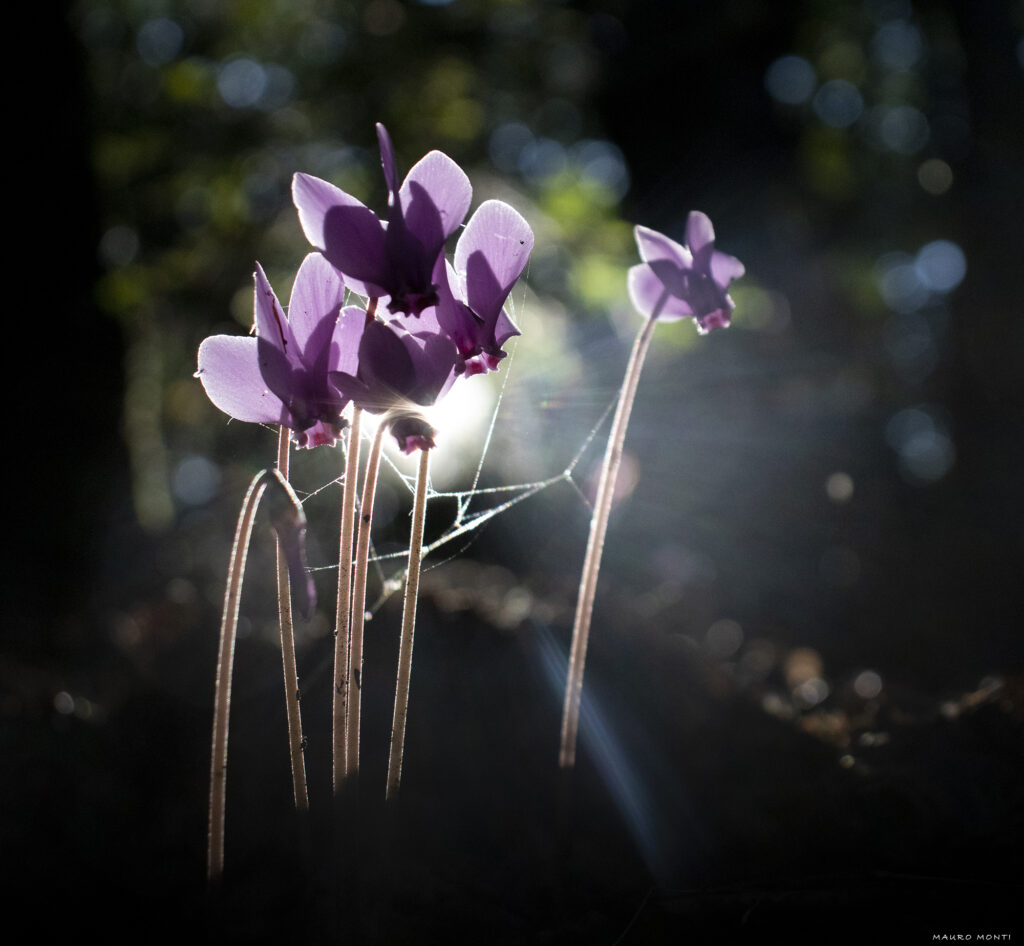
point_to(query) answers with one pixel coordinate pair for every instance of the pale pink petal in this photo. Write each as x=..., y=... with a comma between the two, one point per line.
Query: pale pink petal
x=279, y=358
x=387, y=160
x=271, y=324
x=504, y=328
x=725, y=268
x=449, y=193
x=505, y=239
x=348, y=332
x=648, y=293
x=654, y=246
x=349, y=233
x=317, y=295
x=230, y=373
x=699, y=232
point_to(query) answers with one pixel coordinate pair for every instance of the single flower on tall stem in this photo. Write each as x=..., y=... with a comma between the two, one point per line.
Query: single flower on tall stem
x=672, y=282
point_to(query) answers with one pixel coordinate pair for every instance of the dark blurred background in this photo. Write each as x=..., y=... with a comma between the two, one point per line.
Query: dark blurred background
x=805, y=683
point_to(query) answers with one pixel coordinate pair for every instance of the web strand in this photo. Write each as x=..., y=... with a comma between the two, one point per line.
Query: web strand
x=466, y=521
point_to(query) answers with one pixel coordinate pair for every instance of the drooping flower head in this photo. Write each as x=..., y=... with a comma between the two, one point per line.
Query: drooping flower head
x=393, y=259
x=281, y=375
x=398, y=373
x=490, y=256
x=676, y=282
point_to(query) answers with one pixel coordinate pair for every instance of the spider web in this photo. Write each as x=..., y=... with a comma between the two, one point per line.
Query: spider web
x=467, y=521
x=469, y=518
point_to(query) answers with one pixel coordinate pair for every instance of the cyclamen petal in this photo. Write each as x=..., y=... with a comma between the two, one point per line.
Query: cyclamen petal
x=386, y=367
x=646, y=291
x=725, y=268
x=347, y=232
x=387, y=160
x=230, y=375
x=449, y=191
x=453, y=317
x=492, y=253
x=656, y=246
x=316, y=292
x=504, y=329
x=699, y=231
x=277, y=352
x=271, y=324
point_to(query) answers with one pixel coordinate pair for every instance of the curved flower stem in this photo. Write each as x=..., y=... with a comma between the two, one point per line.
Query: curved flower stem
x=412, y=584
x=291, y=675
x=595, y=544
x=343, y=631
x=355, y=680
x=225, y=661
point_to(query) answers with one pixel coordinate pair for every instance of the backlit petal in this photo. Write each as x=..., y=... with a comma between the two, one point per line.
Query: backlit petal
x=278, y=357
x=699, y=232
x=230, y=374
x=317, y=294
x=492, y=253
x=387, y=160
x=348, y=332
x=451, y=315
x=385, y=366
x=349, y=233
x=725, y=268
x=434, y=358
x=505, y=328
x=647, y=292
x=271, y=324
x=449, y=193
x=655, y=246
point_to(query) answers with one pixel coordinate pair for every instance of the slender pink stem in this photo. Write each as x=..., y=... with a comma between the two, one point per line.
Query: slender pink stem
x=225, y=662
x=412, y=584
x=291, y=675
x=595, y=543
x=355, y=684
x=343, y=630
x=272, y=479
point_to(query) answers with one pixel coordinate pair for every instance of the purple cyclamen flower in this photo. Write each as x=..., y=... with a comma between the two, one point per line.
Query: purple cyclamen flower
x=490, y=256
x=678, y=281
x=395, y=259
x=281, y=375
x=398, y=373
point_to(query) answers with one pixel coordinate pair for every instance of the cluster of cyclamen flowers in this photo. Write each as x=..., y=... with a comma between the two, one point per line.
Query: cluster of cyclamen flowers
x=426, y=323
x=444, y=319
x=438, y=321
